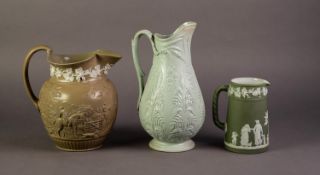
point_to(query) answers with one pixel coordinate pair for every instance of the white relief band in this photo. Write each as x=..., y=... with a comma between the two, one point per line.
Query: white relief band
x=244, y=92
x=78, y=74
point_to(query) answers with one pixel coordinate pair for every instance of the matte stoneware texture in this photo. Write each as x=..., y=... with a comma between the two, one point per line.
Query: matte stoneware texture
x=247, y=125
x=78, y=104
x=171, y=107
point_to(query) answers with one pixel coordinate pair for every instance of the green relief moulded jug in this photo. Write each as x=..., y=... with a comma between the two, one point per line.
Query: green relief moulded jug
x=170, y=104
x=247, y=125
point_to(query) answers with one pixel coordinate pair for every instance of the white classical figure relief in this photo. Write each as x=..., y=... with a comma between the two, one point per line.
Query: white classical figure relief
x=234, y=138
x=258, y=133
x=266, y=118
x=260, y=139
x=264, y=140
x=244, y=139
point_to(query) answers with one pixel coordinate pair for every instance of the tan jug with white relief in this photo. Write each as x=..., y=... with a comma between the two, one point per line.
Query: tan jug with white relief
x=78, y=104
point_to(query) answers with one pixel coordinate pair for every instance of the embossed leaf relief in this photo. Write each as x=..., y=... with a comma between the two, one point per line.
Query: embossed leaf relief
x=77, y=123
x=184, y=122
x=178, y=128
x=193, y=83
x=243, y=92
x=156, y=125
x=153, y=122
x=78, y=74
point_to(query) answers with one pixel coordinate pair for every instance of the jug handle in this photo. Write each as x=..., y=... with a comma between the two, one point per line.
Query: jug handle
x=27, y=59
x=215, y=106
x=139, y=71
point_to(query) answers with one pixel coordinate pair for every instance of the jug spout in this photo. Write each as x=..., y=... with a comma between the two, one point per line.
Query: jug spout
x=103, y=57
x=187, y=27
x=184, y=30
x=267, y=83
x=106, y=57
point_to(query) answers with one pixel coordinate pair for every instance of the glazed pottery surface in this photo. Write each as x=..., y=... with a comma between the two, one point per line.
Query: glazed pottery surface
x=171, y=107
x=78, y=104
x=247, y=125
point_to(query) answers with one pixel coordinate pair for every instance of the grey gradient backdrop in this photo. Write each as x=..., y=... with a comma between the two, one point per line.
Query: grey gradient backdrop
x=278, y=40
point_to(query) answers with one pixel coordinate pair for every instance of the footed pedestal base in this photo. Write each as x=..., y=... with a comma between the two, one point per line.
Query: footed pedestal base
x=171, y=147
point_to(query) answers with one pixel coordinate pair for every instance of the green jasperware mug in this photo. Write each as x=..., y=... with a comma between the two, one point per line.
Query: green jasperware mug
x=246, y=127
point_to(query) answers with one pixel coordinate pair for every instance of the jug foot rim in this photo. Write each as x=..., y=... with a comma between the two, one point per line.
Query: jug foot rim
x=78, y=145
x=171, y=147
x=79, y=150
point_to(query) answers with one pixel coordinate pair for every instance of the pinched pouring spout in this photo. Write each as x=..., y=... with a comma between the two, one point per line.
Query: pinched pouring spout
x=184, y=30
x=176, y=45
x=102, y=56
x=80, y=67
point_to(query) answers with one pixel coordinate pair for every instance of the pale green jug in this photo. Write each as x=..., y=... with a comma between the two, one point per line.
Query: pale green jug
x=170, y=104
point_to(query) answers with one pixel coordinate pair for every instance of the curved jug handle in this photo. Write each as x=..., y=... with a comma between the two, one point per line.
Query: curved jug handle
x=215, y=102
x=139, y=71
x=27, y=59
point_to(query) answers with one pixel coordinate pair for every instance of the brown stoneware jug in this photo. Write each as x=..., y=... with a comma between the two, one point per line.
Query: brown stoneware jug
x=78, y=104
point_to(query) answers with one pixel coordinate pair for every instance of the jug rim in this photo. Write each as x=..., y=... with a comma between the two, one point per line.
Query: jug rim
x=73, y=59
x=164, y=37
x=250, y=81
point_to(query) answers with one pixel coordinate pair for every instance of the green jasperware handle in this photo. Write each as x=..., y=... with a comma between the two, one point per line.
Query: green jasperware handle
x=25, y=72
x=215, y=106
x=139, y=71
